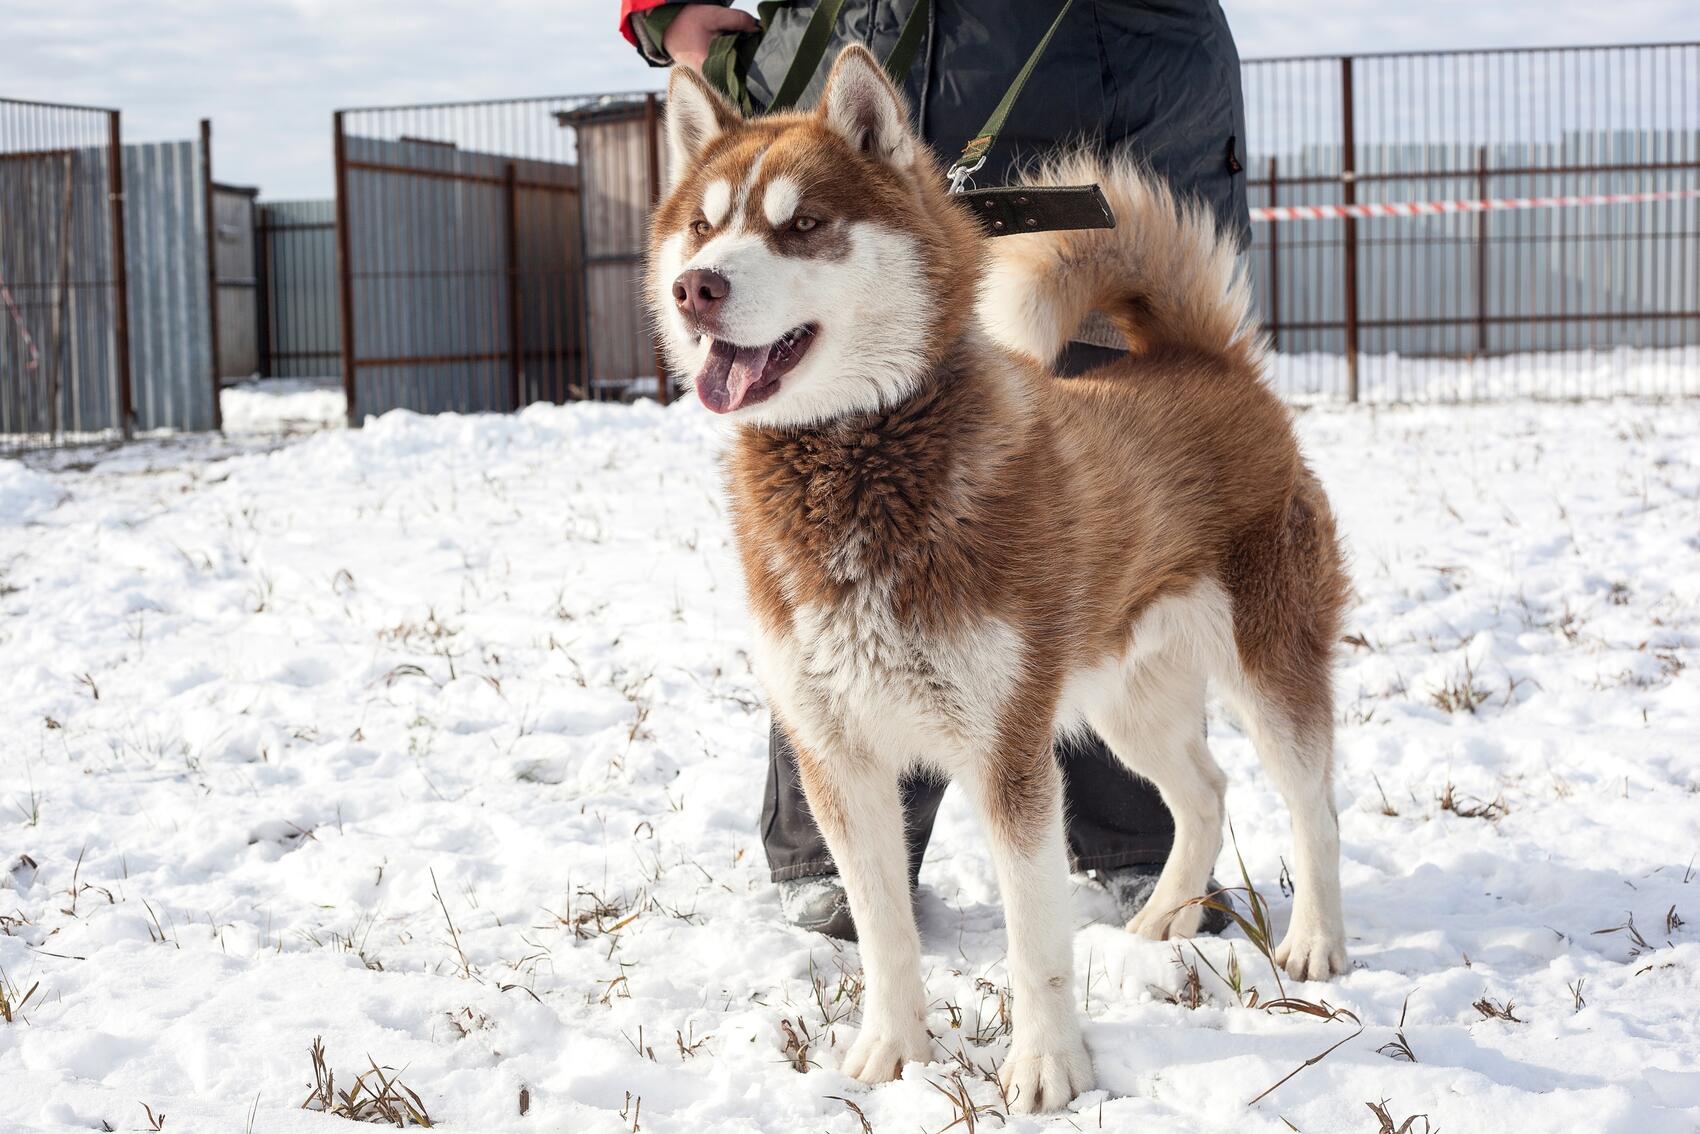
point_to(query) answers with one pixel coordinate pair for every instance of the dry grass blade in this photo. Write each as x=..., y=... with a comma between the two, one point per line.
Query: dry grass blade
x=1191, y=993
x=1493, y=1010
x=1322, y=1011
x=454, y=934
x=1387, y=1127
x=967, y=1112
x=390, y=1102
x=1255, y=924
x=1460, y=694
x=1398, y=1047
x=797, y=1044
x=867, y=1127
x=1637, y=943
x=1308, y=1063
x=11, y=1003
x=1492, y=810
x=1387, y=807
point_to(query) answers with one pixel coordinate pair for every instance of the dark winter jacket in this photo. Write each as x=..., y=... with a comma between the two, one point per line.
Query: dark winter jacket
x=1161, y=77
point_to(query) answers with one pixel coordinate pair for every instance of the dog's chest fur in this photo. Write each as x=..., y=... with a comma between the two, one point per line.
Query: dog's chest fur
x=867, y=564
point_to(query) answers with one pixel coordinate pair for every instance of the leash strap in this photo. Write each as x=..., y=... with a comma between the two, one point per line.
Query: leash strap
x=902, y=55
x=974, y=153
x=811, y=49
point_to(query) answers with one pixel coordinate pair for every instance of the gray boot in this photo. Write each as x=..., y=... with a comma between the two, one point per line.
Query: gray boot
x=1131, y=887
x=818, y=904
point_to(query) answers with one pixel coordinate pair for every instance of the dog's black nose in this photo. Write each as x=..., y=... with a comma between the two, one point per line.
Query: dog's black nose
x=699, y=292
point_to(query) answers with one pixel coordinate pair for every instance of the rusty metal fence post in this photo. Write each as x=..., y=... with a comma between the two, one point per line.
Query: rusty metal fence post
x=120, y=272
x=1274, y=320
x=344, y=269
x=510, y=219
x=652, y=142
x=209, y=215
x=1349, y=248
x=1481, y=254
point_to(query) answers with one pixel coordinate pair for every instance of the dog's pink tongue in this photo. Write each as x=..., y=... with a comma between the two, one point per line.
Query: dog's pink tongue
x=728, y=373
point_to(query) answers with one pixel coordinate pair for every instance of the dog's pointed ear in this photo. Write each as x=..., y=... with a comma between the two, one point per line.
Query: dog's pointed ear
x=862, y=105
x=696, y=115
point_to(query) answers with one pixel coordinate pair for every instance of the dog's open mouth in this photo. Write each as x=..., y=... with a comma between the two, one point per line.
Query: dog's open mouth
x=735, y=376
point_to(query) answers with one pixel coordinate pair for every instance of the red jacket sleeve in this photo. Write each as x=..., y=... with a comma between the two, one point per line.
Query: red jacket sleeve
x=628, y=8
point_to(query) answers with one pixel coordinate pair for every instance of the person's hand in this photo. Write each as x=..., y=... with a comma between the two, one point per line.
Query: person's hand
x=692, y=30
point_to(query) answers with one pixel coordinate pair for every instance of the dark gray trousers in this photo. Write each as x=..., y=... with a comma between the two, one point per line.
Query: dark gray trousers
x=1114, y=818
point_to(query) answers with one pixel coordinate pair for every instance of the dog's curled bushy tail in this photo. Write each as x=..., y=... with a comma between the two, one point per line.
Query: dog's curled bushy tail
x=1163, y=276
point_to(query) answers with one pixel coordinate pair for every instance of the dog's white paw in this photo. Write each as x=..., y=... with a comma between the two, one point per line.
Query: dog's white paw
x=1043, y=1075
x=1161, y=919
x=880, y=1051
x=1311, y=952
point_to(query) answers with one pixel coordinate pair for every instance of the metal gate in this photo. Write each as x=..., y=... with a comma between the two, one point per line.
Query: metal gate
x=461, y=257
x=296, y=246
x=235, y=252
x=64, y=335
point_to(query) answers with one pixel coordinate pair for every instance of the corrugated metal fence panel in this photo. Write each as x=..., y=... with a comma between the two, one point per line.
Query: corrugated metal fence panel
x=303, y=335
x=170, y=313
x=614, y=158
x=238, y=290
x=56, y=341
x=550, y=290
x=428, y=262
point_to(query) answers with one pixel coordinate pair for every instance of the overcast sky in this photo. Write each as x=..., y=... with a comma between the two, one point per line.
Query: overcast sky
x=269, y=72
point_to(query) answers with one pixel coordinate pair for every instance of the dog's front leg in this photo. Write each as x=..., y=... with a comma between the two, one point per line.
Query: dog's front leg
x=857, y=807
x=1019, y=791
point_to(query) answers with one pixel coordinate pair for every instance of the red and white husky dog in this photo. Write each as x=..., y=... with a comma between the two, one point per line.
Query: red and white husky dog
x=951, y=554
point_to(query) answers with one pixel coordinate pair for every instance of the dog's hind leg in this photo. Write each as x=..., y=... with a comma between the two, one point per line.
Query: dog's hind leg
x=1156, y=729
x=1019, y=793
x=1299, y=761
x=856, y=804
x=1288, y=591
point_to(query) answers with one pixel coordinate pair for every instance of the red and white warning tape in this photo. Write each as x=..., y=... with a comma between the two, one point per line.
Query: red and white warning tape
x=1445, y=208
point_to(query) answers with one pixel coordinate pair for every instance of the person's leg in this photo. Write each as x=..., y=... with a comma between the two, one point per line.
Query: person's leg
x=794, y=845
x=1115, y=818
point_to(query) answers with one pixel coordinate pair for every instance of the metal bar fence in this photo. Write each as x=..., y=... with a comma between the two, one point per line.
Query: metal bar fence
x=64, y=343
x=1549, y=303
x=489, y=252
x=1556, y=303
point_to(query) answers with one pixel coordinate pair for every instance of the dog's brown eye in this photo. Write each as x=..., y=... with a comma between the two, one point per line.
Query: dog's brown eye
x=803, y=224
x=701, y=227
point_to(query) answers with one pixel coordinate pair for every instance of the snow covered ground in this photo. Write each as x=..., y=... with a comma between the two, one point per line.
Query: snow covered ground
x=438, y=740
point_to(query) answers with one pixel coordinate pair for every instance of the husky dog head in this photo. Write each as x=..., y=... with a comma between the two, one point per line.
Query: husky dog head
x=806, y=266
